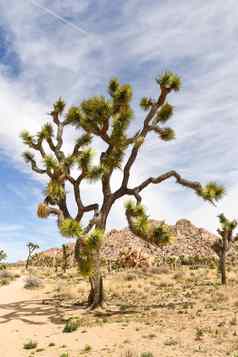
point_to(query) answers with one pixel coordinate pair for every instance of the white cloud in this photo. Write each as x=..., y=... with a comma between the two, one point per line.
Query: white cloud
x=135, y=40
x=206, y=216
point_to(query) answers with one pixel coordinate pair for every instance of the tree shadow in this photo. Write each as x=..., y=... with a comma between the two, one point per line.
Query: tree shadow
x=33, y=311
x=29, y=311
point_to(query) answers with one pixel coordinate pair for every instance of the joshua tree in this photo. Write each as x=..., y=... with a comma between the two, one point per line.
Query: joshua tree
x=58, y=261
x=3, y=256
x=31, y=248
x=223, y=244
x=66, y=257
x=107, y=119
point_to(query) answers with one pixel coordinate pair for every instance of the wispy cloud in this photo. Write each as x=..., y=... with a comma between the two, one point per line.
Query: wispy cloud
x=58, y=17
x=134, y=40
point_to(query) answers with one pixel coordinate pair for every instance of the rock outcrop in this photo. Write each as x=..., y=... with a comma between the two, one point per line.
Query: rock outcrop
x=191, y=241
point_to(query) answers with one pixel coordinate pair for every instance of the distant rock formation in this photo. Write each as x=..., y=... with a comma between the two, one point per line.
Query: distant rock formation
x=190, y=241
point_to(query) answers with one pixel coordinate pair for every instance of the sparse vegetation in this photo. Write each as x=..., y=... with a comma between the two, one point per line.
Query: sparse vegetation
x=30, y=345
x=71, y=325
x=32, y=282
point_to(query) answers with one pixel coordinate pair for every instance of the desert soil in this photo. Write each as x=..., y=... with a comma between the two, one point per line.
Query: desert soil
x=182, y=313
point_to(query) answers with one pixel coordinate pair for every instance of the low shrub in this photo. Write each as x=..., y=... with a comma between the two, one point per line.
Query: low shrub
x=30, y=345
x=5, y=274
x=32, y=282
x=71, y=325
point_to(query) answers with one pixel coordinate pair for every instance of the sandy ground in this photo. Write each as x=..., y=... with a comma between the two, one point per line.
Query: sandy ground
x=178, y=321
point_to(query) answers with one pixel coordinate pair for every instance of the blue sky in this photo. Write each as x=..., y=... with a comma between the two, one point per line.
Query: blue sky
x=71, y=49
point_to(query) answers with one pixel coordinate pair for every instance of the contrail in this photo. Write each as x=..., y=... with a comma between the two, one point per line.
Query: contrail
x=75, y=27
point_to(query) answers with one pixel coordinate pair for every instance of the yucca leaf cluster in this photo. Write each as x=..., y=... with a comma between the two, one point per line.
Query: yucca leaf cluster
x=158, y=234
x=70, y=228
x=212, y=192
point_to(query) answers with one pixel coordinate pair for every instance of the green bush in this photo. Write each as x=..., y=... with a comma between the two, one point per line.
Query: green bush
x=30, y=345
x=71, y=325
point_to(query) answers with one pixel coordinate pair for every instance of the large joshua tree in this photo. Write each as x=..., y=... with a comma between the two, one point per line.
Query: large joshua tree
x=223, y=244
x=106, y=118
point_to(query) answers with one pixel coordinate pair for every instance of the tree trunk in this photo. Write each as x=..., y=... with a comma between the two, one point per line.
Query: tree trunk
x=96, y=294
x=223, y=268
x=27, y=262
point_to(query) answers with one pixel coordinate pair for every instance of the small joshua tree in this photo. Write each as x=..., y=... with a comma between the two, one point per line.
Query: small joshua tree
x=107, y=119
x=3, y=256
x=31, y=248
x=58, y=261
x=223, y=244
x=66, y=257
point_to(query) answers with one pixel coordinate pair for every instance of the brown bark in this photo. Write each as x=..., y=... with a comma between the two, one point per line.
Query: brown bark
x=223, y=268
x=96, y=295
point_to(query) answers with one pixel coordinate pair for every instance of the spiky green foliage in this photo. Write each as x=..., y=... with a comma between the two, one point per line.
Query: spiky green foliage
x=167, y=134
x=85, y=265
x=96, y=110
x=169, y=81
x=59, y=106
x=32, y=246
x=69, y=162
x=113, y=159
x=94, y=173
x=3, y=255
x=113, y=86
x=212, y=192
x=70, y=228
x=55, y=190
x=28, y=156
x=165, y=113
x=94, y=239
x=163, y=234
x=85, y=158
x=73, y=115
x=226, y=224
x=140, y=225
x=120, y=124
x=27, y=138
x=84, y=140
x=135, y=209
x=46, y=132
x=50, y=162
x=146, y=103
x=122, y=98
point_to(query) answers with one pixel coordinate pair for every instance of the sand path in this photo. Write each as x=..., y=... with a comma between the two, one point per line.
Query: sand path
x=23, y=316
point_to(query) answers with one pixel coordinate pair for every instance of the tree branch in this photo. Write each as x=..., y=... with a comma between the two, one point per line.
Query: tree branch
x=35, y=168
x=56, y=212
x=194, y=185
x=143, y=133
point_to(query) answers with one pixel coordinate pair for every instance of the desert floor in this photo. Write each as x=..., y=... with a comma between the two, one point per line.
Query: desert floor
x=167, y=313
